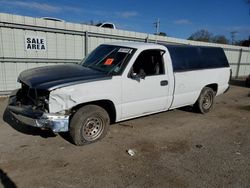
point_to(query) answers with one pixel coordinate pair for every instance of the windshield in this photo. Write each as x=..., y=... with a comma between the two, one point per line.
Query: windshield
x=109, y=59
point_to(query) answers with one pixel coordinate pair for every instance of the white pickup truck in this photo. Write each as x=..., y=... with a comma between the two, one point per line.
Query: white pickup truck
x=116, y=82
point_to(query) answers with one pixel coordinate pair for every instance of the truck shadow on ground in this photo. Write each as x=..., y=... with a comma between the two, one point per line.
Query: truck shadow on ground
x=23, y=128
x=237, y=82
x=188, y=109
x=6, y=181
x=66, y=136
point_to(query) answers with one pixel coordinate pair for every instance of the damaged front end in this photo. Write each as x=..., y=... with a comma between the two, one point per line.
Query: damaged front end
x=31, y=106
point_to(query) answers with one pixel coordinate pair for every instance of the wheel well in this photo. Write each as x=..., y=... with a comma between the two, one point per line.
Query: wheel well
x=213, y=87
x=105, y=104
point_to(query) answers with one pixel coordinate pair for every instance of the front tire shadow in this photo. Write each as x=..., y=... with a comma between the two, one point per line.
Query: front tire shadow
x=188, y=109
x=66, y=136
x=25, y=129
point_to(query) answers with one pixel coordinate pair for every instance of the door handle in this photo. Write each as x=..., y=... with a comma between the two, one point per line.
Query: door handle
x=164, y=83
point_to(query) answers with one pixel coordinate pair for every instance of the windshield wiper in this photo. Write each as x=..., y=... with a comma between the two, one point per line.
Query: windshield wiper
x=95, y=68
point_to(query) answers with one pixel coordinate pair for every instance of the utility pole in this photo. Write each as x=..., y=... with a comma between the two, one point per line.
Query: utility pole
x=233, y=33
x=157, y=26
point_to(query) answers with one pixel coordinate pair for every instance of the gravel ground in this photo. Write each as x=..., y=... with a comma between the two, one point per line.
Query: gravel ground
x=178, y=148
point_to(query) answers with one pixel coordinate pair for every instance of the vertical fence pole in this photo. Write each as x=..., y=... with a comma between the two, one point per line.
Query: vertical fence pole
x=238, y=64
x=86, y=43
x=147, y=38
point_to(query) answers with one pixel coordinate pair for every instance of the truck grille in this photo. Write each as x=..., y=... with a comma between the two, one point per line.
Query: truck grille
x=33, y=97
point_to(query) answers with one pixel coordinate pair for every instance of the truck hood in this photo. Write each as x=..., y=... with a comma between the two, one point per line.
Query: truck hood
x=52, y=77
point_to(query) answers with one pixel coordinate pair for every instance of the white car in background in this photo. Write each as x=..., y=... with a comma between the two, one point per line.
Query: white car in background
x=106, y=25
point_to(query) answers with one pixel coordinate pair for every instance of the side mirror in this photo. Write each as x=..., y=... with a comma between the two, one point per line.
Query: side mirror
x=138, y=76
x=142, y=74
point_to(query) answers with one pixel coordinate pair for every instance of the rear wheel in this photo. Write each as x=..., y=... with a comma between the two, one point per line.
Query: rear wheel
x=89, y=124
x=205, y=100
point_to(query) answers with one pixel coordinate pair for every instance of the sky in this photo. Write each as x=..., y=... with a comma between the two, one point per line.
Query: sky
x=178, y=18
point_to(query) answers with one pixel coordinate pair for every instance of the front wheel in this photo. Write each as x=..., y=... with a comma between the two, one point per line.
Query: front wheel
x=205, y=100
x=89, y=124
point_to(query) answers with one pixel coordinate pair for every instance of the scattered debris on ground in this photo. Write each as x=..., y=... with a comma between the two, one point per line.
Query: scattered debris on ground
x=131, y=152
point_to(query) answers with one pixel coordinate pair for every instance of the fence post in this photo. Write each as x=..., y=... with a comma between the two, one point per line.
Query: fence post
x=86, y=43
x=238, y=64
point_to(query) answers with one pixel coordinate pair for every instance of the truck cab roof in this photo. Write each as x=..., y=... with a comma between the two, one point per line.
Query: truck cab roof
x=137, y=45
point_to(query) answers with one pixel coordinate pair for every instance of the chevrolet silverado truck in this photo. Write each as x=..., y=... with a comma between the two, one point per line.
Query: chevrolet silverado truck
x=117, y=82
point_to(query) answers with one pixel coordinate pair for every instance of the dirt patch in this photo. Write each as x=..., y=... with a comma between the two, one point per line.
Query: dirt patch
x=173, y=149
x=126, y=125
x=245, y=108
x=180, y=147
x=3, y=98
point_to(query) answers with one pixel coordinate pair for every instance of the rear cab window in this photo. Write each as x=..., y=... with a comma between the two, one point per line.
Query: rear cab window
x=188, y=58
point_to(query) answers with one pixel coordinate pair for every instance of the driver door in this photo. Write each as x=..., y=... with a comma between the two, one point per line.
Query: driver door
x=145, y=89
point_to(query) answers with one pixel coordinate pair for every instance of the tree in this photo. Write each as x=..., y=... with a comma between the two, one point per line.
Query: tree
x=206, y=36
x=243, y=42
x=201, y=35
x=246, y=43
x=221, y=39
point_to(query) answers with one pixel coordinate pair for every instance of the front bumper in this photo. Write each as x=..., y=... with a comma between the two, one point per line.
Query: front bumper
x=36, y=118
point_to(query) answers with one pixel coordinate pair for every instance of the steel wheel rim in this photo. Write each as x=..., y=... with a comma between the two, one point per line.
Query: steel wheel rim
x=93, y=128
x=207, y=100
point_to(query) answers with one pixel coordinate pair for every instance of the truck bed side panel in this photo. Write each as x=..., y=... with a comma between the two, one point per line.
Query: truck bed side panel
x=189, y=84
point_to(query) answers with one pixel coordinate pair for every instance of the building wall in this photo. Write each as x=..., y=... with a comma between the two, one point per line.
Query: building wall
x=70, y=42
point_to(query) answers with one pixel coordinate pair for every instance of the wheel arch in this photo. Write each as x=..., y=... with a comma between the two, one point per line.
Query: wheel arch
x=213, y=86
x=204, y=107
x=107, y=105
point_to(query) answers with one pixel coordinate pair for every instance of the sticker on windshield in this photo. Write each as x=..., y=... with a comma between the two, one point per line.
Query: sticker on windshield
x=125, y=50
x=109, y=61
x=117, y=69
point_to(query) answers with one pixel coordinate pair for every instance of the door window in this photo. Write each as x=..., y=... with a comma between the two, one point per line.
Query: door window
x=149, y=63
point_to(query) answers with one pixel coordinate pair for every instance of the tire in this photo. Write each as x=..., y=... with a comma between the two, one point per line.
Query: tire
x=205, y=101
x=89, y=124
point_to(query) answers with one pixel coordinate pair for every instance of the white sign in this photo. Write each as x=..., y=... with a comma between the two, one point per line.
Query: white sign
x=35, y=43
x=125, y=50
